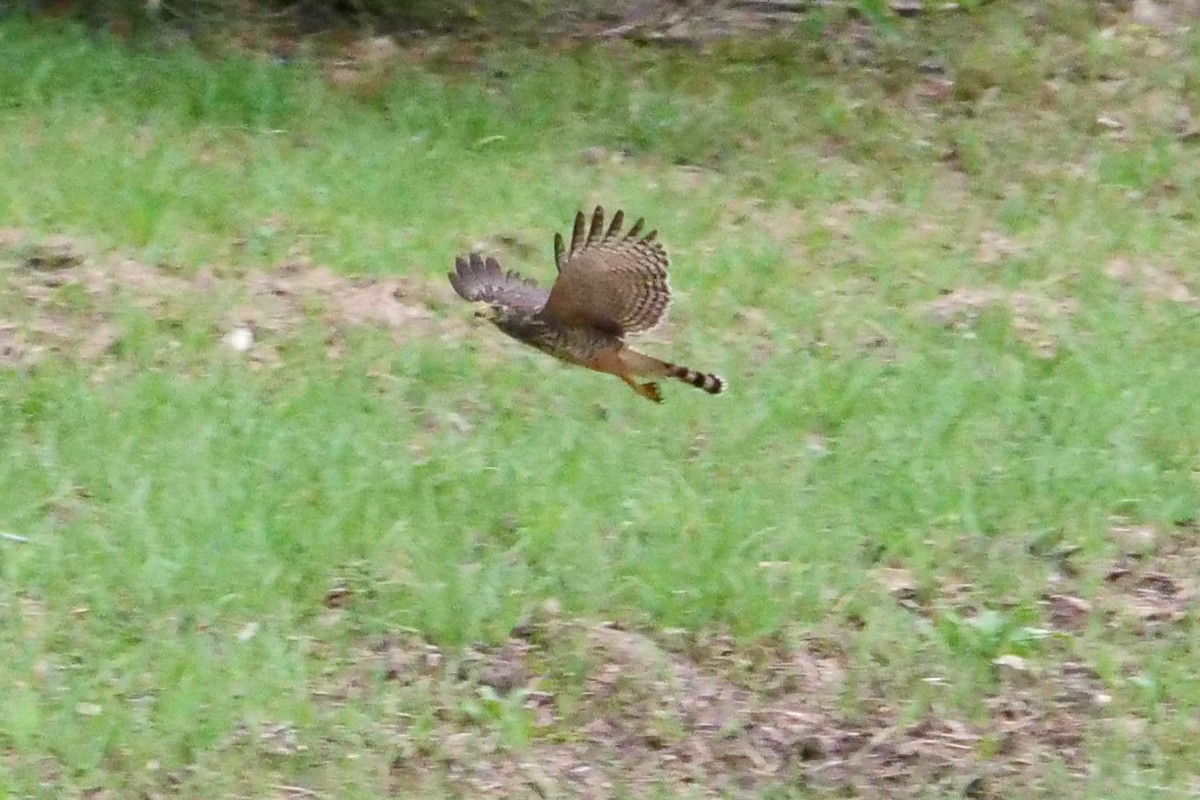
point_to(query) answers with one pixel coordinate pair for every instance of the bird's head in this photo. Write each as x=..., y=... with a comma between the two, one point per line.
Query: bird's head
x=491, y=312
x=506, y=318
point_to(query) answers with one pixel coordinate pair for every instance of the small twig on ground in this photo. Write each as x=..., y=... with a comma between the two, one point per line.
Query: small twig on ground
x=12, y=537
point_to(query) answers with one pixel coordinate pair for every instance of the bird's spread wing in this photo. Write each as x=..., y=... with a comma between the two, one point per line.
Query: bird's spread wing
x=476, y=279
x=612, y=280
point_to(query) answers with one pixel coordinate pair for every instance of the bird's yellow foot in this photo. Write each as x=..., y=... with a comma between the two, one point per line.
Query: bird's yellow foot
x=650, y=391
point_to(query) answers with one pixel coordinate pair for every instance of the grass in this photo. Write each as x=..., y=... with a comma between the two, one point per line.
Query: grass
x=187, y=515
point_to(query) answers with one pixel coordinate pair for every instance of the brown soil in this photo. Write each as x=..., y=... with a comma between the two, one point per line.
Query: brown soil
x=70, y=298
x=701, y=724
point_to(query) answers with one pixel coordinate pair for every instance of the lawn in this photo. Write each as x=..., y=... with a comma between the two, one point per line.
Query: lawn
x=939, y=538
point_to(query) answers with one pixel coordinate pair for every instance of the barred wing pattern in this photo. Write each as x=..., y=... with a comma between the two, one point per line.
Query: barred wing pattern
x=612, y=281
x=609, y=283
x=477, y=279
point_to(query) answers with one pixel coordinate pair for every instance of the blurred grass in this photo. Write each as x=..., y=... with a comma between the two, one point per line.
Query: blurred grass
x=811, y=212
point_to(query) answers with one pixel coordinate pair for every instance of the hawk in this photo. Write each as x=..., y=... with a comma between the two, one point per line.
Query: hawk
x=610, y=283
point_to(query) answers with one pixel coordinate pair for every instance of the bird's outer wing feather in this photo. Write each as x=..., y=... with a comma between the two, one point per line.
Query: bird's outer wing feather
x=614, y=281
x=475, y=278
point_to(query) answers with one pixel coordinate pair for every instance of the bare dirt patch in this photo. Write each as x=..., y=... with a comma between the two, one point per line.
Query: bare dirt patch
x=1154, y=282
x=1038, y=319
x=580, y=709
x=1152, y=586
x=70, y=299
x=1147, y=590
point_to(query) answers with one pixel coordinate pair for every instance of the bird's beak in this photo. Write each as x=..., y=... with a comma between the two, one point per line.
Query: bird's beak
x=483, y=310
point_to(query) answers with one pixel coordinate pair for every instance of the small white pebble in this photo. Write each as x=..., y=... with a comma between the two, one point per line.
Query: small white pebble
x=239, y=339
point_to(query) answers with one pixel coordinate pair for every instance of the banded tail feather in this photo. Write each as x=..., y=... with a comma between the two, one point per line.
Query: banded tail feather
x=641, y=364
x=713, y=384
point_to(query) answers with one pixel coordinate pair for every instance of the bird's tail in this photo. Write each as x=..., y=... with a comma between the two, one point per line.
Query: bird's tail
x=642, y=364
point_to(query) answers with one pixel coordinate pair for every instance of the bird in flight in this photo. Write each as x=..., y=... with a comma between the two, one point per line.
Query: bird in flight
x=610, y=283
